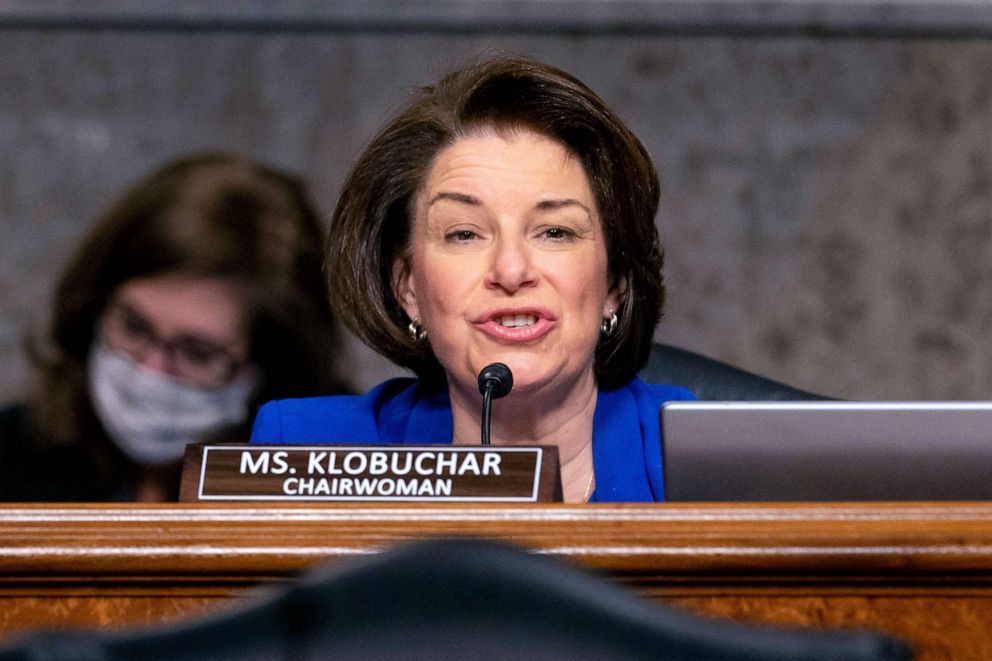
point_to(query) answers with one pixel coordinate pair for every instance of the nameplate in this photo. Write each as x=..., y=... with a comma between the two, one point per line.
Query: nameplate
x=382, y=473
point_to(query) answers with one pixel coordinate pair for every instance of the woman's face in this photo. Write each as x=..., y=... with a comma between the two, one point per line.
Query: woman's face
x=508, y=261
x=192, y=327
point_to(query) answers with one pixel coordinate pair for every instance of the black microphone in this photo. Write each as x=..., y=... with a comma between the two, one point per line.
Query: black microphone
x=495, y=381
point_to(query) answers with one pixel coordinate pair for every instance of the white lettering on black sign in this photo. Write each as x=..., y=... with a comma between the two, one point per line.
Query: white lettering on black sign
x=373, y=473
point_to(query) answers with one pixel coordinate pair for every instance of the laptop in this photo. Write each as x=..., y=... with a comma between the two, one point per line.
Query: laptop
x=827, y=451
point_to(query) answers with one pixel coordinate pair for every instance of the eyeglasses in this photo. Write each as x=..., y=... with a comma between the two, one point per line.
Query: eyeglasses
x=195, y=359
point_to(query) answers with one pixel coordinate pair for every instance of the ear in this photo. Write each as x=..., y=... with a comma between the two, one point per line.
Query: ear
x=615, y=297
x=403, y=287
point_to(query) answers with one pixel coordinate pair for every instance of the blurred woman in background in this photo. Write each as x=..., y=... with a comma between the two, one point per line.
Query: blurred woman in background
x=197, y=295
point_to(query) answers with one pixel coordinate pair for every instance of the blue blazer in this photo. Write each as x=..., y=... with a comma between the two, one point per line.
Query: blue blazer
x=626, y=436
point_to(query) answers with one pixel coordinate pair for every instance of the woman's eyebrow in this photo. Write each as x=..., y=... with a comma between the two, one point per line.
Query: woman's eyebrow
x=130, y=308
x=456, y=197
x=554, y=205
x=543, y=205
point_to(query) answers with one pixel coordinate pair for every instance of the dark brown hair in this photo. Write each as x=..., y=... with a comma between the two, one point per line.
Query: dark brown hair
x=371, y=225
x=213, y=215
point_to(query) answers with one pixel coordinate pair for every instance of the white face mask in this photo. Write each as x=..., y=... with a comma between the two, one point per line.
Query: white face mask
x=151, y=416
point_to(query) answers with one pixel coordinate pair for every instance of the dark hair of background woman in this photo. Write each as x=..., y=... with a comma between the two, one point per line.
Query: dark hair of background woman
x=371, y=225
x=210, y=215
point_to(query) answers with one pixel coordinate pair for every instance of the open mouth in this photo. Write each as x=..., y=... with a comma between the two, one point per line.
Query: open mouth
x=516, y=320
x=521, y=325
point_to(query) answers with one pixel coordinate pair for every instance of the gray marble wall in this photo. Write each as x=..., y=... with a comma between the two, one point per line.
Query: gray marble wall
x=827, y=206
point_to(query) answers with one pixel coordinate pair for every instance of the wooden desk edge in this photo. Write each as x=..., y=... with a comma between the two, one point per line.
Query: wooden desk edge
x=878, y=541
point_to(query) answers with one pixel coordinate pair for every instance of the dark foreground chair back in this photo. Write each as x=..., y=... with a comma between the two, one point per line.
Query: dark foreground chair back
x=713, y=380
x=456, y=599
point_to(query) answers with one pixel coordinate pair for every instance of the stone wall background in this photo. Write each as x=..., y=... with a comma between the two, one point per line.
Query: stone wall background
x=827, y=204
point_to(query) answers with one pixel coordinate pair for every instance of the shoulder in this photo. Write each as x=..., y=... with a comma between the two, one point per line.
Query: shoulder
x=656, y=394
x=35, y=469
x=19, y=436
x=11, y=418
x=649, y=398
x=333, y=419
x=14, y=429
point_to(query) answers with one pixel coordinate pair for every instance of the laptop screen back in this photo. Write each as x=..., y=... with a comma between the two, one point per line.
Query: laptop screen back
x=827, y=451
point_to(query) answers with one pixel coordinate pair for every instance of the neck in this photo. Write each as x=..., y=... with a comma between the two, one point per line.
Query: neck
x=563, y=418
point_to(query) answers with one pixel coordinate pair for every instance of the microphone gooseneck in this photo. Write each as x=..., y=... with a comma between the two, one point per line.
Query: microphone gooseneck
x=495, y=381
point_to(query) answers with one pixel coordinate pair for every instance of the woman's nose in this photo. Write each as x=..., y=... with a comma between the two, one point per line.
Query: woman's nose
x=157, y=358
x=512, y=266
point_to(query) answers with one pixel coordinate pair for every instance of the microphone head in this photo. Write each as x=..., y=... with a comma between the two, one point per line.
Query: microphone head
x=498, y=377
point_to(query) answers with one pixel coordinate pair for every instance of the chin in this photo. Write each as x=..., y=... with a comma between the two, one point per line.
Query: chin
x=532, y=371
x=529, y=376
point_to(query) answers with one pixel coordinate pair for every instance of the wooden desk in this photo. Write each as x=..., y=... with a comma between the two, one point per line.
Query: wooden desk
x=920, y=571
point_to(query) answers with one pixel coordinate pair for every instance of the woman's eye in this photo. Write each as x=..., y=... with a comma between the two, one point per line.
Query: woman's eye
x=198, y=352
x=135, y=326
x=461, y=236
x=557, y=233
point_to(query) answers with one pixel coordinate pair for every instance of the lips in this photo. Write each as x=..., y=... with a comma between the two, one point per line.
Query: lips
x=516, y=324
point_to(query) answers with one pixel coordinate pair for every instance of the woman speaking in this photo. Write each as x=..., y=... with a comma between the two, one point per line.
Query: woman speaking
x=507, y=215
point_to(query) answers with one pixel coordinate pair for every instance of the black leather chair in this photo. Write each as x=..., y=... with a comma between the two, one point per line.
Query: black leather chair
x=455, y=599
x=713, y=380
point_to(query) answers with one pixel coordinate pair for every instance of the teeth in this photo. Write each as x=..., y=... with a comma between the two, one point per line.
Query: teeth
x=517, y=320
